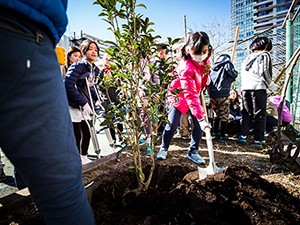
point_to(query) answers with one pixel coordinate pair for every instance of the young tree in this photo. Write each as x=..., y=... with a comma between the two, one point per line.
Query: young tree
x=133, y=53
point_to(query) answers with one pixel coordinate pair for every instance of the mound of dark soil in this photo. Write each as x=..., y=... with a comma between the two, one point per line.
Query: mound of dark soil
x=234, y=196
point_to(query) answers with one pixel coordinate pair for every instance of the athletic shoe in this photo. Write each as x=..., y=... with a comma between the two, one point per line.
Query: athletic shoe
x=257, y=143
x=85, y=160
x=162, y=154
x=195, y=157
x=242, y=139
x=214, y=134
x=222, y=138
x=141, y=141
x=148, y=152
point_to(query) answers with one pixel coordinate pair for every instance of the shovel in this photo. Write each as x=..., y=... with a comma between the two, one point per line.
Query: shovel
x=212, y=168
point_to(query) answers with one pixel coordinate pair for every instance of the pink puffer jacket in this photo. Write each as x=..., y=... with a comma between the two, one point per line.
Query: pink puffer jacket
x=191, y=80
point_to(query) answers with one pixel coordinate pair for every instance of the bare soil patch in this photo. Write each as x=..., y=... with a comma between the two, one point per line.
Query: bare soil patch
x=250, y=191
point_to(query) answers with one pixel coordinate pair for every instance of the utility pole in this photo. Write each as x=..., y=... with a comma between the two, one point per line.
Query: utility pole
x=184, y=27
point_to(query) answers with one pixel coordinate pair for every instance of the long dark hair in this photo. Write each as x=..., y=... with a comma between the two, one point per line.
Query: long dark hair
x=70, y=51
x=195, y=42
x=236, y=101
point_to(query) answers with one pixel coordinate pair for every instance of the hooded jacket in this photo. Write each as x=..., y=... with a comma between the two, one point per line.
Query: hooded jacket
x=192, y=81
x=221, y=76
x=50, y=13
x=76, y=86
x=256, y=71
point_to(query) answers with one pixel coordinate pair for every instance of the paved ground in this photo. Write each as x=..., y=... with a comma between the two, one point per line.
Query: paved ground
x=8, y=187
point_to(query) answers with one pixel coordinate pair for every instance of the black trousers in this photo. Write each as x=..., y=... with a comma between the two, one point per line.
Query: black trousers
x=254, y=113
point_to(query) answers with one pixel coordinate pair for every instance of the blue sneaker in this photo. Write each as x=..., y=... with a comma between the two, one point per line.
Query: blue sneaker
x=141, y=141
x=242, y=139
x=258, y=143
x=162, y=154
x=148, y=152
x=195, y=157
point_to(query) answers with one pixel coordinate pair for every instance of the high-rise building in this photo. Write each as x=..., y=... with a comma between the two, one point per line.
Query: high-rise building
x=269, y=13
x=241, y=15
x=259, y=17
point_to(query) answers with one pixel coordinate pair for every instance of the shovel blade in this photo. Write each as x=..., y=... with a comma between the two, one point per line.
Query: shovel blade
x=210, y=170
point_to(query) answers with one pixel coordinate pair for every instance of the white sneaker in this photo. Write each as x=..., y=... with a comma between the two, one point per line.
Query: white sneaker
x=85, y=160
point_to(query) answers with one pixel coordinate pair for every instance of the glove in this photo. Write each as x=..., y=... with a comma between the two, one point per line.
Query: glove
x=98, y=104
x=231, y=117
x=238, y=117
x=203, y=124
x=208, y=81
x=87, y=111
x=61, y=55
x=272, y=86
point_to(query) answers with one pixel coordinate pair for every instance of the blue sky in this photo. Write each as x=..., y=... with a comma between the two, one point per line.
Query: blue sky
x=166, y=14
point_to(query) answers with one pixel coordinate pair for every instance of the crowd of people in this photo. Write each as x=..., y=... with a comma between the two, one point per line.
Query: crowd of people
x=50, y=160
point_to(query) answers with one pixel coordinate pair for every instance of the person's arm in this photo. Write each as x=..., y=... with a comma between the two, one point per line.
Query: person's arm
x=265, y=70
x=231, y=72
x=72, y=77
x=191, y=94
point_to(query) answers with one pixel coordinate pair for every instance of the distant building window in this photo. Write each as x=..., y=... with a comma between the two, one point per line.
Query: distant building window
x=279, y=1
x=279, y=9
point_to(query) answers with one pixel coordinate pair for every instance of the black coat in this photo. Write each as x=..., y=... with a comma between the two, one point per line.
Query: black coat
x=76, y=86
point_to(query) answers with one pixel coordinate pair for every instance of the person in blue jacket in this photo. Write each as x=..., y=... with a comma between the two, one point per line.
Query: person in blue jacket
x=35, y=124
x=79, y=97
x=221, y=76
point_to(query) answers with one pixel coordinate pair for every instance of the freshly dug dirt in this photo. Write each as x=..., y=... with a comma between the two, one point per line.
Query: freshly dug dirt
x=250, y=191
x=234, y=196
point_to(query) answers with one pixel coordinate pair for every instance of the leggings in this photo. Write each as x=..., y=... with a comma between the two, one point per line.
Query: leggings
x=82, y=136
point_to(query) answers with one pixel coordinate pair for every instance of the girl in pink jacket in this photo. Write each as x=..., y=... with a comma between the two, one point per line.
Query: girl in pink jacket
x=192, y=79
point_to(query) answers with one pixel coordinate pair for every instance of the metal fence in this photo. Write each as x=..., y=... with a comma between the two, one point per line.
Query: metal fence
x=295, y=106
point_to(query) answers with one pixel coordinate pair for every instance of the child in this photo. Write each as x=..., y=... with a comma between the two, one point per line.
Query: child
x=256, y=75
x=235, y=114
x=191, y=80
x=222, y=75
x=73, y=55
x=78, y=96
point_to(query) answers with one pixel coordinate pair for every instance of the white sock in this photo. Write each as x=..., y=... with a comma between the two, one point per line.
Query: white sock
x=149, y=140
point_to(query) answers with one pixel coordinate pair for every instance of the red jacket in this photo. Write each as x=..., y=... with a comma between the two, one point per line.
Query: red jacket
x=191, y=80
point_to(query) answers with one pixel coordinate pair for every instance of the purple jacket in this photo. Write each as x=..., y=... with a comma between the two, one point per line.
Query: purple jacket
x=286, y=115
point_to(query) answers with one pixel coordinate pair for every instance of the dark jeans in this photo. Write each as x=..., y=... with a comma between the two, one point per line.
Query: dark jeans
x=174, y=118
x=254, y=110
x=35, y=125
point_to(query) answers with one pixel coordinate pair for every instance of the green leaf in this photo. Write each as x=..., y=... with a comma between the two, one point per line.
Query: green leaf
x=141, y=5
x=109, y=51
x=131, y=168
x=111, y=42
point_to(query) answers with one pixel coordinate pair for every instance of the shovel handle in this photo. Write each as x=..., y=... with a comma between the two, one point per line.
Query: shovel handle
x=204, y=107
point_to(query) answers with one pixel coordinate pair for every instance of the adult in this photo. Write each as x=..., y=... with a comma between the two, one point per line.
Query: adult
x=35, y=125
